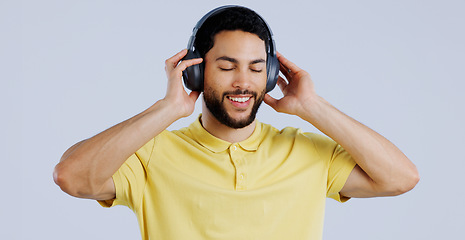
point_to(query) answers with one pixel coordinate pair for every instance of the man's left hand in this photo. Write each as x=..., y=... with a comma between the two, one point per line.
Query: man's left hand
x=297, y=88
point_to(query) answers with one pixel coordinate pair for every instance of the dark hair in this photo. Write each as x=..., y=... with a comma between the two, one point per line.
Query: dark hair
x=234, y=18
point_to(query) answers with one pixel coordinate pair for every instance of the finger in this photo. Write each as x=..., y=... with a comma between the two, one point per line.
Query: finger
x=177, y=71
x=173, y=61
x=282, y=84
x=286, y=72
x=187, y=63
x=288, y=64
x=194, y=95
x=272, y=102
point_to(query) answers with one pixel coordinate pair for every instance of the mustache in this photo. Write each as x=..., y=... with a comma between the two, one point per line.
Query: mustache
x=240, y=92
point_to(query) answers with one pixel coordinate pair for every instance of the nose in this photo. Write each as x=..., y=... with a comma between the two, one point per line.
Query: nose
x=242, y=80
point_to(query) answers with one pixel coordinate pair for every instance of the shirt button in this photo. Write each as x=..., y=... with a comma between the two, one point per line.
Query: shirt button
x=234, y=147
x=241, y=176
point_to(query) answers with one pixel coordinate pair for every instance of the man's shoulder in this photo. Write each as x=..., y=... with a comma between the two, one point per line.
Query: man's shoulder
x=175, y=133
x=286, y=131
x=294, y=133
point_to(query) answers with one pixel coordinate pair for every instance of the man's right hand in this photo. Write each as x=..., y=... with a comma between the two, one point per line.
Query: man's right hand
x=176, y=95
x=85, y=170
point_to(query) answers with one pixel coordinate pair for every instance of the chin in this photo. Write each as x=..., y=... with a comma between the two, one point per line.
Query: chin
x=236, y=120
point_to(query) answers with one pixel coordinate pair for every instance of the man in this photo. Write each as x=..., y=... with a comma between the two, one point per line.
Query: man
x=228, y=176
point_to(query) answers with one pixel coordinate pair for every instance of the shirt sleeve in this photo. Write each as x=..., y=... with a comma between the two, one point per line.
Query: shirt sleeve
x=340, y=167
x=131, y=178
x=339, y=164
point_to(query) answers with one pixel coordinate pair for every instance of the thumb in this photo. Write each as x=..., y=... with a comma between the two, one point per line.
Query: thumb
x=194, y=95
x=272, y=102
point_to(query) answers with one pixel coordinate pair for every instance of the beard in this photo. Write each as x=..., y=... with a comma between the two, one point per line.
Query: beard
x=214, y=103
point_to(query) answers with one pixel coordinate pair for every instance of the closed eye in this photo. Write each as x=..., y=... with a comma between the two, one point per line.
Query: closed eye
x=226, y=69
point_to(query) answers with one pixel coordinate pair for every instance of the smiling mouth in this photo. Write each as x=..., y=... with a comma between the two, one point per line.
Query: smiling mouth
x=239, y=99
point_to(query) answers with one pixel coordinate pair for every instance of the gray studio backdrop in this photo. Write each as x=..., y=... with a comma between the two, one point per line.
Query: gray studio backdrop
x=70, y=69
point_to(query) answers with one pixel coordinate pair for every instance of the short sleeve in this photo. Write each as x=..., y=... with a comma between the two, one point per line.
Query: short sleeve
x=130, y=179
x=339, y=164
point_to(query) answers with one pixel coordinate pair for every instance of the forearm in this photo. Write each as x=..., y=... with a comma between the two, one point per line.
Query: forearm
x=381, y=160
x=85, y=170
x=89, y=164
x=382, y=170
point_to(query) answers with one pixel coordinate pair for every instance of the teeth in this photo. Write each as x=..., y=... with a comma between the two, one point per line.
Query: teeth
x=240, y=99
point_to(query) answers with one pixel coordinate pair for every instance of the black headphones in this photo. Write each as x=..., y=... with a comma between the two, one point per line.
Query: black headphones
x=193, y=75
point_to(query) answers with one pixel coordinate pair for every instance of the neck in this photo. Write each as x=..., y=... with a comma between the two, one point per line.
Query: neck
x=223, y=132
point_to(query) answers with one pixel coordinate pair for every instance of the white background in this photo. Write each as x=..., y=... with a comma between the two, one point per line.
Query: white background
x=70, y=69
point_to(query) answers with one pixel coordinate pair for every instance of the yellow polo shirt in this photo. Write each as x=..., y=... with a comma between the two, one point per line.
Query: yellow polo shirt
x=188, y=184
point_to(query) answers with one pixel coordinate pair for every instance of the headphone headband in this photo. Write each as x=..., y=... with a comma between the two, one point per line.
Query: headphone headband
x=190, y=44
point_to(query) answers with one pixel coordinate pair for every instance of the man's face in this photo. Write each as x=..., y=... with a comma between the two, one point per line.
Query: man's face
x=235, y=77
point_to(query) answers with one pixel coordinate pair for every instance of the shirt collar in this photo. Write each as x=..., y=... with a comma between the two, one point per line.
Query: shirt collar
x=214, y=144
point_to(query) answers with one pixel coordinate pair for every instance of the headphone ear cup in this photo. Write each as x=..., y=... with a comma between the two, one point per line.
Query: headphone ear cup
x=193, y=75
x=272, y=72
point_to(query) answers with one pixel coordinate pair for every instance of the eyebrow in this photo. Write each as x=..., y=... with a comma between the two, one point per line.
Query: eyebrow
x=233, y=60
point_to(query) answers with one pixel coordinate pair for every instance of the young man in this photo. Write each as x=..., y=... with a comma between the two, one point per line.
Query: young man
x=228, y=176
